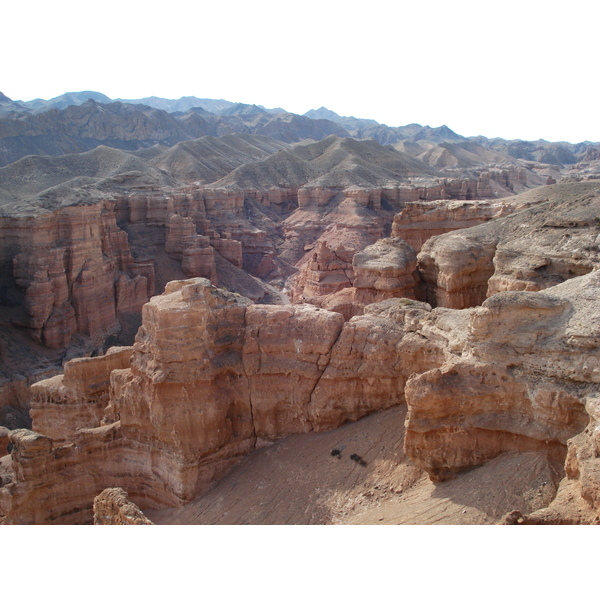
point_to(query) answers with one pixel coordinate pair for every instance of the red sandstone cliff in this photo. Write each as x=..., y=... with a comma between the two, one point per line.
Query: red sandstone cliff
x=211, y=375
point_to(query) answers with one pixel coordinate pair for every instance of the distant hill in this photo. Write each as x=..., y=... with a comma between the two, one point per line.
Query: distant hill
x=38, y=183
x=68, y=99
x=80, y=121
x=552, y=153
x=217, y=107
x=46, y=182
x=460, y=155
x=7, y=105
x=79, y=128
x=332, y=162
x=370, y=129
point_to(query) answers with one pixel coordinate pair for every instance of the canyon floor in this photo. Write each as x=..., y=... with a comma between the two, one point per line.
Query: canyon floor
x=297, y=481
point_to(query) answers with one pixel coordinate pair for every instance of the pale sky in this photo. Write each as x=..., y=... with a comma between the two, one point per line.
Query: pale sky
x=515, y=69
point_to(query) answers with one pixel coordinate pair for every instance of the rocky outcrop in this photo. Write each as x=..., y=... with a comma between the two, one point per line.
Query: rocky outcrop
x=77, y=399
x=286, y=351
x=195, y=252
x=346, y=281
x=456, y=268
x=113, y=507
x=583, y=477
x=345, y=227
x=77, y=271
x=238, y=375
x=527, y=380
x=518, y=374
x=419, y=221
x=387, y=269
x=327, y=271
x=48, y=482
x=576, y=500
x=553, y=239
x=3, y=441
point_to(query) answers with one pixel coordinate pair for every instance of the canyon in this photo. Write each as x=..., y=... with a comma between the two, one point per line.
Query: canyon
x=179, y=322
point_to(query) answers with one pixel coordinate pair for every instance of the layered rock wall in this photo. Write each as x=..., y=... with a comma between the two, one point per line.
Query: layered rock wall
x=77, y=399
x=550, y=241
x=77, y=271
x=211, y=375
x=346, y=281
x=419, y=221
x=526, y=380
x=387, y=269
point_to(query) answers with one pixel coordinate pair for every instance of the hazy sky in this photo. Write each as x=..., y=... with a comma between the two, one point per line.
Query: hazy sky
x=515, y=69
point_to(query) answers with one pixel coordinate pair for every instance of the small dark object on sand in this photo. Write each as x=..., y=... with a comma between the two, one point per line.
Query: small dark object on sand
x=336, y=452
x=358, y=459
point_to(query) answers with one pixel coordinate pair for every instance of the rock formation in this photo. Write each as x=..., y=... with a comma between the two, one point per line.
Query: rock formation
x=77, y=271
x=327, y=271
x=346, y=281
x=387, y=269
x=76, y=400
x=552, y=240
x=87, y=240
x=527, y=380
x=238, y=374
x=419, y=221
x=3, y=441
x=112, y=507
x=516, y=374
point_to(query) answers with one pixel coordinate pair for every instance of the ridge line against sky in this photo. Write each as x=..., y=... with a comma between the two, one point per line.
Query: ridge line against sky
x=521, y=70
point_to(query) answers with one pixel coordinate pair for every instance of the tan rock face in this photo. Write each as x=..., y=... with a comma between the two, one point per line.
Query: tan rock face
x=345, y=227
x=419, y=221
x=523, y=382
x=210, y=374
x=188, y=353
x=48, y=482
x=551, y=240
x=286, y=351
x=3, y=441
x=386, y=269
x=456, y=270
x=327, y=271
x=75, y=263
x=76, y=400
x=583, y=473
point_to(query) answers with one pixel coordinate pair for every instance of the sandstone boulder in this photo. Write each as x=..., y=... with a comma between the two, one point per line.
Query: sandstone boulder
x=113, y=507
x=387, y=269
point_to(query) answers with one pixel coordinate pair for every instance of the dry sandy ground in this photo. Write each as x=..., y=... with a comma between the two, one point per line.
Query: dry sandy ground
x=298, y=481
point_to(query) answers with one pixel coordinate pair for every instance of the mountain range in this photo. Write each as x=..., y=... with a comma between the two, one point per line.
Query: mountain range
x=80, y=121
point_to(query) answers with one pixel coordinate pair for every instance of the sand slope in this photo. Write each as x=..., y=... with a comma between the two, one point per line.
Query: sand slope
x=298, y=481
